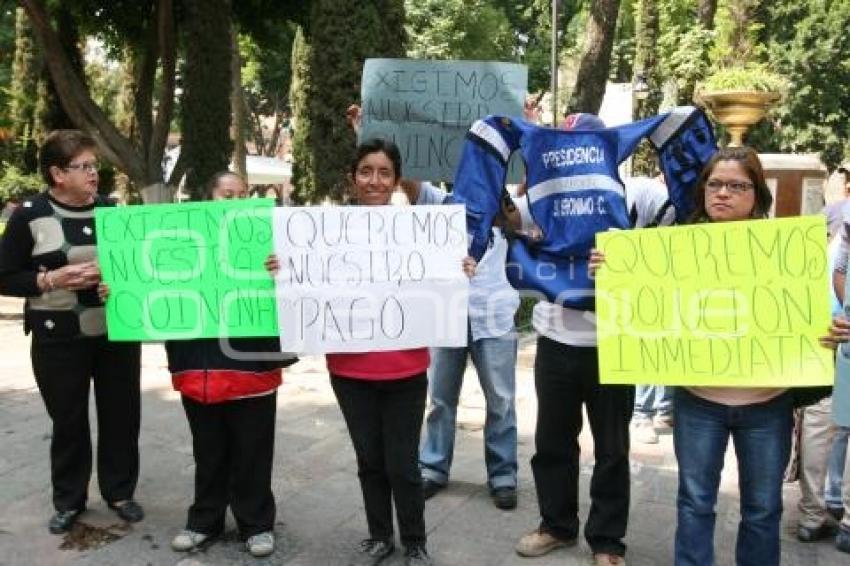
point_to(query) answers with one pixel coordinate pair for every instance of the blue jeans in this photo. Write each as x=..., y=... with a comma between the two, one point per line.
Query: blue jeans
x=762, y=437
x=495, y=363
x=651, y=400
x=836, y=469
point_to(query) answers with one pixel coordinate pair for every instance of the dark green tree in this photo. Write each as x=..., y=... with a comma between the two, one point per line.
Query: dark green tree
x=206, y=145
x=684, y=41
x=646, y=71
x=34, y=107
x=301, y=93
x=808, y=43
x=459, y=29
x=23, y=82
x=8, y=35
x=117, y=20
x=339, y=36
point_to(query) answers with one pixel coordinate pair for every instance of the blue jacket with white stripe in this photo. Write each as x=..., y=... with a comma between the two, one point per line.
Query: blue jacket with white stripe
x=574, y=189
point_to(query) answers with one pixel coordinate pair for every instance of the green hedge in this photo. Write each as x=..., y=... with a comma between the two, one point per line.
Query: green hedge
x=522, y=319
x=16, y=185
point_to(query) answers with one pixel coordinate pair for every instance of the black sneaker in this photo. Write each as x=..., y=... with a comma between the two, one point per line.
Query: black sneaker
x=504, y=497
x=417, y=556
x=809, y=534
x=128, y=510
x=62, y=521
x=430, y=488
x=372, y=551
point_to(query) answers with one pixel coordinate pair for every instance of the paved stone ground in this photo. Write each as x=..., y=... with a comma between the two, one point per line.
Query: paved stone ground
x=320, y=514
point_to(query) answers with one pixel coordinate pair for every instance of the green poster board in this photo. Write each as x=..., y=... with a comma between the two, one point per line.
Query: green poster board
x=426, y=107
x=738, y=304
x=191, y=270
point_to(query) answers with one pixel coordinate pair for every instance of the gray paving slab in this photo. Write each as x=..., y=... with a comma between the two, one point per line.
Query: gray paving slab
x=320, y=512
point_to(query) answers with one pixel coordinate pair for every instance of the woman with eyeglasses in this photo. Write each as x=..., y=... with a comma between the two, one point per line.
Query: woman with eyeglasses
x=382, y=398
x=48, y=256
x=759, y=420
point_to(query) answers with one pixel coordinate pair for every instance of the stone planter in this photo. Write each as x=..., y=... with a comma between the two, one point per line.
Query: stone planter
x=738, y=109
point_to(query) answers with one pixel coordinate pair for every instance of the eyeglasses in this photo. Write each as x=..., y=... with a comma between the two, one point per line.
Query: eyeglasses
x=85, y=167
x=734, y=187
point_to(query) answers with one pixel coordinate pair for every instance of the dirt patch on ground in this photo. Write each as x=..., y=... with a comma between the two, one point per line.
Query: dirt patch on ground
x=86, y=537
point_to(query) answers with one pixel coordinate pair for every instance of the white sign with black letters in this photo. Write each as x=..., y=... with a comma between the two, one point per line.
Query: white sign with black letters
x=370, y=278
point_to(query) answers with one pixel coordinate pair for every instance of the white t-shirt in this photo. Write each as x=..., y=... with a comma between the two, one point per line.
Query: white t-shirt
x=492, y=300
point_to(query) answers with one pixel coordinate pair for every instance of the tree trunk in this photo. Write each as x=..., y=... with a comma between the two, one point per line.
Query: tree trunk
x=596, y=60
x=165, y=96
x=646, y=69
x=125, y=116
x=646, y=60
x=54, y=116
x=237, y=105
x=145, y=67
x=274, y=139
x=705, y=13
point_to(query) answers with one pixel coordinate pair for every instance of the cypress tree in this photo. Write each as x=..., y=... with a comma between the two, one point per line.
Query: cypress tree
x=300, y=95
x=644, y=161
x=206, y=99
x=53, y=115
x=342, y=35
x=23, y=84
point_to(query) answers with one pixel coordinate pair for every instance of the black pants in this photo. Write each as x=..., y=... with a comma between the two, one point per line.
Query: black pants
x=63, y=371
x=233, y=443
x=565, y=378
x=384, y=420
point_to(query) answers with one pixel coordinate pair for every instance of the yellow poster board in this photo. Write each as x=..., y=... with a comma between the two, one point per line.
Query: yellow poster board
x=735, y=304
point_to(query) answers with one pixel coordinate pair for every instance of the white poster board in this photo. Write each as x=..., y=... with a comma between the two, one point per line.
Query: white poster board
x=370, y=278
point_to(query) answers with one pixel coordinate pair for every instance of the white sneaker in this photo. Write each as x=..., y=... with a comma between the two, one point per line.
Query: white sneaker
x=187, y=540
x=537, y=543
x=261, y=544
x=644, y=432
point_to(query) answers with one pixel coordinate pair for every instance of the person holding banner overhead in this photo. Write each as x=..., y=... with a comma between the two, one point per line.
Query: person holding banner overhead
x=566, y=379
x=382, y=398
x=759, y=420
x=48, y=256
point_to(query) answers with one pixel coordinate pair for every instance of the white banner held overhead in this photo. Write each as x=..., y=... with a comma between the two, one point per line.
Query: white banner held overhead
x=370, y=278
x=426, y=107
